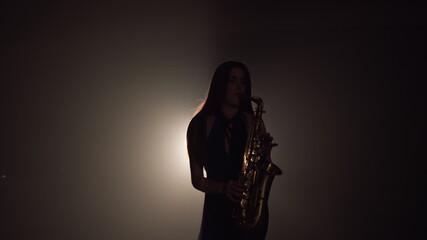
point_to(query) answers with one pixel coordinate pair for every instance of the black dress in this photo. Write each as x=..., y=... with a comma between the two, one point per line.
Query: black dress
x=217, y=222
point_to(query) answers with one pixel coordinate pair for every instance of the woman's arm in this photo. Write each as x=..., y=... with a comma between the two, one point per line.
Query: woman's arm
x=267, y=142
x=196, y=139
x=267, y=139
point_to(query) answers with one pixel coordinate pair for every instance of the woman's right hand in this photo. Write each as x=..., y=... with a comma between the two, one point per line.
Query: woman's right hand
x=233, y=190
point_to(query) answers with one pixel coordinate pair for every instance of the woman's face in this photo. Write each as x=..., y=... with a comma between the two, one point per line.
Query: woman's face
x=235, y=87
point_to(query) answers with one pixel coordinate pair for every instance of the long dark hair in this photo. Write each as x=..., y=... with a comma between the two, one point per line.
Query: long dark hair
x=218, y=89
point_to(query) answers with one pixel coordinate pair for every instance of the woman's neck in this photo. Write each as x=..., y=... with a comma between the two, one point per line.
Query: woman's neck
x=229, y=111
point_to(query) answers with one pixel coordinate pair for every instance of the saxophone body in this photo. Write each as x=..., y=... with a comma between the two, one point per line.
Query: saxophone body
x=257, y=175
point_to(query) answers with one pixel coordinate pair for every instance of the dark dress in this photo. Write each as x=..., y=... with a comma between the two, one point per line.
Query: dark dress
x=217, y=222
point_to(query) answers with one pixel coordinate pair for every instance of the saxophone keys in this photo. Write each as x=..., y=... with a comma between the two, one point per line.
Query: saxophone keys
x=244, y=204
x=245, y=194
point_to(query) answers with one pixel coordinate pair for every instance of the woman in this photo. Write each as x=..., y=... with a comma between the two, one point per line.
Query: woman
x=216, y=140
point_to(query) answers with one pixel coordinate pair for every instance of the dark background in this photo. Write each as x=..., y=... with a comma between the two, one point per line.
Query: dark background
x=96, y=98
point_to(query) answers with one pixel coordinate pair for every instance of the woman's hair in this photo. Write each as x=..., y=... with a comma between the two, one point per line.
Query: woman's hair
x=218, y=88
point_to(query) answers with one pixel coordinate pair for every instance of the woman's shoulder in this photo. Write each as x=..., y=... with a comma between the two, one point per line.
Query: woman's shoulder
x=201, y=120
x=201, y=124
x=248, y=117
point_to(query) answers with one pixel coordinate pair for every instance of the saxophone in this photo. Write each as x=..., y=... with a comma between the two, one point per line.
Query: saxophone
x=257, y=175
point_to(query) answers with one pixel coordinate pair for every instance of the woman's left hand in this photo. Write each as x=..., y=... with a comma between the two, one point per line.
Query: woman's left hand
x=267, y=145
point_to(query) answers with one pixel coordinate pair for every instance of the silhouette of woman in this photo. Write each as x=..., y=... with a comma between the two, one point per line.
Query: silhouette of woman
x=216, y=140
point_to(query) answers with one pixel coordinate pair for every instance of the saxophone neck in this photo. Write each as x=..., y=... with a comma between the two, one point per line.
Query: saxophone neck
x=245, y=98
x=259, y=105
x=257, y=100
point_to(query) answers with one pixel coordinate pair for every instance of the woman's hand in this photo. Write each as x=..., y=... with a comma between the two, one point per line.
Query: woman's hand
x=233, y=190
x=267, y=145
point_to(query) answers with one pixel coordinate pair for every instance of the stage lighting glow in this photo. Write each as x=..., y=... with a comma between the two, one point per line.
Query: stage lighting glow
x=179, y=148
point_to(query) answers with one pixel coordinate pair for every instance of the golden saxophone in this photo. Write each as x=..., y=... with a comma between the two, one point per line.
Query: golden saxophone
x=257, y=175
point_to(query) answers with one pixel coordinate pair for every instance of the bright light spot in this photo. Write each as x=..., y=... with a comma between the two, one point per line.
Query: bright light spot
x=179, y=149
